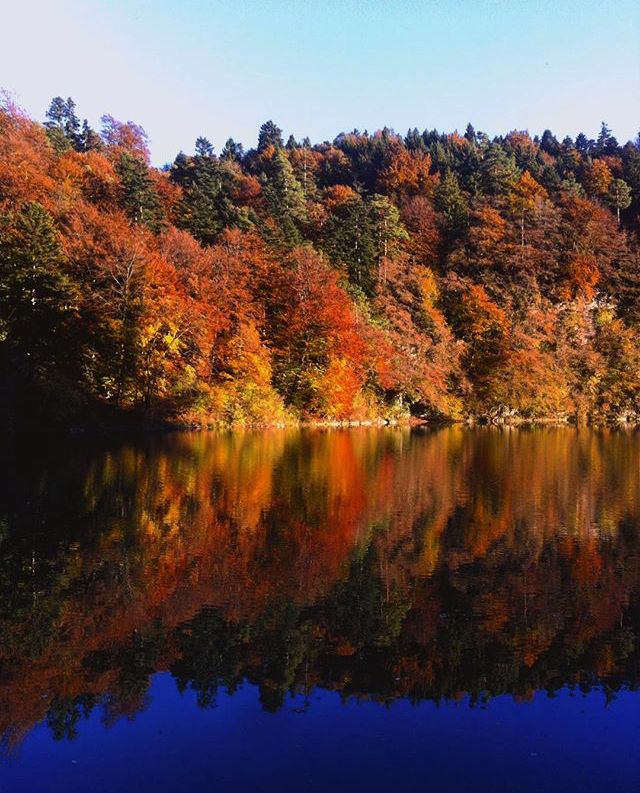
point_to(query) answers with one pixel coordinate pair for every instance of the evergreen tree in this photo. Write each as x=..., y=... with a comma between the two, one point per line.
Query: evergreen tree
x=270, y=135
x=549, y=177
x=583, y=144
x=362, y=236
x=549, y=143
x=207, y=207
x=37, y=298
x=606, y=143
x=56, y=113
x=232, y=151
x=631, y=159
x=72, y=123
x=285, y=199
x=204, y=148
x=450, y=200
x=413, y=140
x=470, y=133
x=388, y=231
x=139, y=198
x=89, y=139
x=498, y=171
x=350, y=240
x=571, y=186
x=63, y=126
x=619, y=196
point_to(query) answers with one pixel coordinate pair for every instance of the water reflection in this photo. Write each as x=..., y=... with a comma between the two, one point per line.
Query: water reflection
x=380, y=564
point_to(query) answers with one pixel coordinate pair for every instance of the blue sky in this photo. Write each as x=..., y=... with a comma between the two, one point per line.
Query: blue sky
x=219, y=68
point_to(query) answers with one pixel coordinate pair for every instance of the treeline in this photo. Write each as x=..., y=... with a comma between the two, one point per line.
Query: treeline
x=442, y=275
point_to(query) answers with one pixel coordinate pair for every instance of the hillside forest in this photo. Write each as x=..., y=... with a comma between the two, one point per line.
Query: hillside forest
x=444, y=276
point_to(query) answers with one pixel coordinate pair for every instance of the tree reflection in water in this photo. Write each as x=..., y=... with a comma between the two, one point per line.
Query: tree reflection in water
x=377, y=563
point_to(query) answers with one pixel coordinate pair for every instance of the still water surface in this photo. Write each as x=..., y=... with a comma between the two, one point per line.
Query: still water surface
x=362, y=610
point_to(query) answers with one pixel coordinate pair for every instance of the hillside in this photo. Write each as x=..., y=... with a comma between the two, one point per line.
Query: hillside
x=440, y=275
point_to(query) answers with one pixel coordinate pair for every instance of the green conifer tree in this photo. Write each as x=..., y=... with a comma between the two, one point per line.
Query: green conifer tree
x=451, y=202
x=38, y=299
x=139, y=198
x=285, y=199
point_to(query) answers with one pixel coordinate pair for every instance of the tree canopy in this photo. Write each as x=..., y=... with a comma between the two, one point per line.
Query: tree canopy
x=376, y=275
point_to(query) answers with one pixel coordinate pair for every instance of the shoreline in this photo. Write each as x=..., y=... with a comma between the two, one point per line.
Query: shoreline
x=335, y=424
x=119, y=425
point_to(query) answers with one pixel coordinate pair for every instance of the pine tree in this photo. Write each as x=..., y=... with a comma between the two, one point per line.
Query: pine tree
x=619, y=196
x=413, y=140
x=207, y=207
x=350, y=241
x=232, y=151
x=470, y=133
x=571, y=186
x=285, y=199
x=37, y=298
x=549, y=143
x=387, y=229
x=451, y=202
x=583, y=144
x=204, y=147
x=72, y=123
x=63, y=126
x=89, y=140
x=270, y=135
x=631, y=159
x=498, y=171
x=139, y=198
x=606, y=143
x=56, y=113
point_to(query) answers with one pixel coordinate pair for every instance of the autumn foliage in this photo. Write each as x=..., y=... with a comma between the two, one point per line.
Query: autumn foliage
x=376, y=276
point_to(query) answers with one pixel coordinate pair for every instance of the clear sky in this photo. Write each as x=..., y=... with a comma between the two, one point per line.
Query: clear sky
x=317, y=67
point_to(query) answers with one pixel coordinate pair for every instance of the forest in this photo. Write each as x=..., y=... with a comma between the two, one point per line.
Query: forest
x=441, y=276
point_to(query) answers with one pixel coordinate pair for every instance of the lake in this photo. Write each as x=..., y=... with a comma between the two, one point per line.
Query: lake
x=347, y=610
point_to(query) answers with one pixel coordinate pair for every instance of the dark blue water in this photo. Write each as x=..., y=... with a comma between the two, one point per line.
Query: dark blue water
x=569, y=742
x=357, y=611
